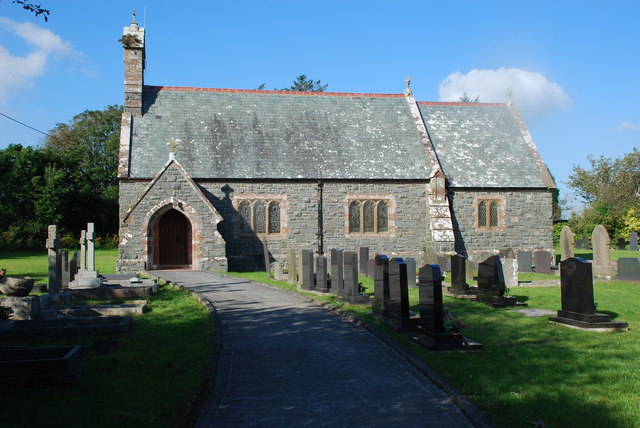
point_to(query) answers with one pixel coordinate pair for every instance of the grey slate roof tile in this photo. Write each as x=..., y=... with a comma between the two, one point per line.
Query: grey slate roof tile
x=266, y=135
x=480, y=145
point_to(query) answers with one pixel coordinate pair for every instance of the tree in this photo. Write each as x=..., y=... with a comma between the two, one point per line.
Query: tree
x=87, y=152
x=304, y=84
x=466, y=99
x=37, y=9
x=610, y=188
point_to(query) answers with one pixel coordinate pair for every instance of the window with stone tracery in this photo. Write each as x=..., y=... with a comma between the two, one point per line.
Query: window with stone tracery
x=368, y=215
x=260, y=215
x=489, y=214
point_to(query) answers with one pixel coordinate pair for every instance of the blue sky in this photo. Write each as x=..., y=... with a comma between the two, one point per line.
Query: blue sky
x=573, y=67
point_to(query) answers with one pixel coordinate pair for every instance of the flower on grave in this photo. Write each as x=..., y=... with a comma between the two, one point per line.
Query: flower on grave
x=452, y=325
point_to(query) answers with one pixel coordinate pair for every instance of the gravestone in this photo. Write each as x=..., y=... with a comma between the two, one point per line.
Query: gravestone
x=397, y=315
x=321, y=274
x=351, y=292
x=633, y=241
x=412, y=279
x=491, y=284
x=267, y=261
x=506, y=253
x=370, y=267
x=470, y=268
x=459, y=275
x=430, y=256
x=510, y=271
x=363, y=256
x=442, y=262
x=337, y=273
x=524, y=261
x=299, y=268
x=277, y=267
x=54, y=263
x=83, y=250
x=629, y=269
x=579, y=243
x=602, y=266
x=87, y=276
x=308, y=277
x=73, y=266
x=65, y=273
x=381, y=283
x=542, y=261
x=292, y=270
x=578, y=307
x=484, y=256
x=431, y=331
x=567, y=243
x=622, y=244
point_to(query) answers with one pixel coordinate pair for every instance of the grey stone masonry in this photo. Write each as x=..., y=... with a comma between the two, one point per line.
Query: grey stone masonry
x=524, y=221
x=142, y=204
x=308, y=276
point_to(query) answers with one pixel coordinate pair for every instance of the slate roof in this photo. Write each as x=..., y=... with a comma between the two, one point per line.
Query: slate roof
x=244, y=134
x=481, y=145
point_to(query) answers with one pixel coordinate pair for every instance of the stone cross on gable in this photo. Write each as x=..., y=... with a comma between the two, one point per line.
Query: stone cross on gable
x=173, y=143
x=407, y=90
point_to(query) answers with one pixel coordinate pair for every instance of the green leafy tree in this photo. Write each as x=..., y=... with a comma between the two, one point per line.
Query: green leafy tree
x=304, y=84
x=87, y=153
x=609, y=188
x=465, y=98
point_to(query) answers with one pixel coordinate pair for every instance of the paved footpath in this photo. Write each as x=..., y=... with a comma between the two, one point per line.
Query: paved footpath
x=288, y=363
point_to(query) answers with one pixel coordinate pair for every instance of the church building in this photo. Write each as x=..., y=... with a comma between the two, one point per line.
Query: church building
x=206, y=175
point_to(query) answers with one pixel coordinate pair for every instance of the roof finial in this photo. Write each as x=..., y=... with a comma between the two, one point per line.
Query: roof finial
x=134, y=23
x=407, y=90
x=509, y=100
x=173, y=143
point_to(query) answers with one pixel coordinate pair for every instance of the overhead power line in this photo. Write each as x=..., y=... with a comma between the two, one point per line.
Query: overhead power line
x=24, y=124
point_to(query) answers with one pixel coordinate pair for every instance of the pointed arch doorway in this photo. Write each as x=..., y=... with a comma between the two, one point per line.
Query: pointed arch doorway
x=172, y=241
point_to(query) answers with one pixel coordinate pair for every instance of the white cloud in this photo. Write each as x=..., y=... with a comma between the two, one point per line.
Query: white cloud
x=629, y=126
x=17, y=71
x=532, y=93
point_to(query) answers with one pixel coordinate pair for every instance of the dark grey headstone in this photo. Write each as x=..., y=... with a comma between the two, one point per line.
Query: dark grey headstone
x=363, y=256
x=55, y=271
x=633, y=241
x=622, y=244
x=579, y=243
x=308, y=277
x=337, y=274
x=430, y=298
x=442, y=262
x=576, y=281
x=542, y=261
x=381, y=283
x=398, y=288
x=321, y=274
x=491, y=278
x=292, y=266
x=524, y=261
x=629, y=269
x=459, y=274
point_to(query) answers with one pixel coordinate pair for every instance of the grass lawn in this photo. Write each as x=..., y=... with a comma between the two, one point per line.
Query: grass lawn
x=147, y=381
x=532, y=370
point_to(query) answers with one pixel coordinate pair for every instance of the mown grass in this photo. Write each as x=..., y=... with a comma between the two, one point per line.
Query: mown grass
x=532, y=370
x=148, y=380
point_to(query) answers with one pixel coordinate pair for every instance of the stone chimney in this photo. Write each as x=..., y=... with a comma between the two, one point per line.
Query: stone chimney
x=134, y=58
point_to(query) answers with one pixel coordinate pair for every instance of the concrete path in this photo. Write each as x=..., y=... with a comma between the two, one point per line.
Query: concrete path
x=288, y=363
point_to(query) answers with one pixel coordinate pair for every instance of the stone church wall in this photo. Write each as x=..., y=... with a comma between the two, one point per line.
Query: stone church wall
x=525, y=221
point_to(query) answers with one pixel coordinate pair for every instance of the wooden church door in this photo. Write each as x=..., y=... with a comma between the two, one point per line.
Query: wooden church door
x=174, y=240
